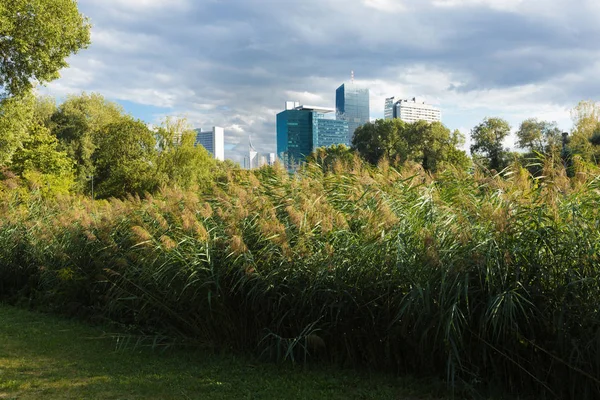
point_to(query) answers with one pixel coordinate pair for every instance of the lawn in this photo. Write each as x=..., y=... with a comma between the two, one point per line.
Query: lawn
x=47, y=357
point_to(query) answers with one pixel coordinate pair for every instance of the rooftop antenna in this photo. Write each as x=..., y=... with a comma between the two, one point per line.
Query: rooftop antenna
x=352, y=76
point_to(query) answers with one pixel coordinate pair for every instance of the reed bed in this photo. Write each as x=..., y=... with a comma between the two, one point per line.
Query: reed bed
x=471, y=277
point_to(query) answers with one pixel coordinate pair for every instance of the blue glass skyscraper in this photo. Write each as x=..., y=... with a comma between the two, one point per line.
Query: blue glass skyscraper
x=301, y=129
x=352, y=105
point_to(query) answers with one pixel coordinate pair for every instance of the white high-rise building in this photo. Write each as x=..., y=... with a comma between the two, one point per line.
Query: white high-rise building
x=213, y=141
x=266, y=159
x=411, y=110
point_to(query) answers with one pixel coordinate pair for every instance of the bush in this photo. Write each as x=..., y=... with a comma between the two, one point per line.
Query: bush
x=464, y=275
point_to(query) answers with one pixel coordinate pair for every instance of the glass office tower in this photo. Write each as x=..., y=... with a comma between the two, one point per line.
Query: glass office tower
x=301, y=129
x=327, y=132
x=352, y=105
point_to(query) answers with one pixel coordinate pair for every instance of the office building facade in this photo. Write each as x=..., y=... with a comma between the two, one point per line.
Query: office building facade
x=301, y=129
x=388, y=111
x=411, y=110
x=213, y=141
x=352, y=106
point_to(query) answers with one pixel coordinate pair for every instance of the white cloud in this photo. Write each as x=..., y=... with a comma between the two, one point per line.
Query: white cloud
x=504, y=5
x=305, y=97
x=392, y=6
x=234, y=63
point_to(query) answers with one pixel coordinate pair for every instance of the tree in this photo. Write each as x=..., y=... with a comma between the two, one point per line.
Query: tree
x=78, y=123
x=430, y=144
x=36, y=37
x=41, y=164
x=488, y=138
x=586, y=129
x=125, y=159
x=539, y=136
x=16, y=114
x=379, y=139
x=328, y=157
x=180, y=161
x=43, y=110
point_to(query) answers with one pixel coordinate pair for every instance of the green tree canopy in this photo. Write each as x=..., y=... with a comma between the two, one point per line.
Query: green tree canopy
x=125, y=159
x=328, y=157
x=539, y=136
x=488, y=138
x=78, y=123
x=36, y=37
x=585, y=137
x=16, y=114
x=378, y=139
x=180, y=161
x=429, y=144
x=41, y=164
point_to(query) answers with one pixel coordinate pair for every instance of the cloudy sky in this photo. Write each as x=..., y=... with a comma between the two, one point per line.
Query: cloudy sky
x=233, y=63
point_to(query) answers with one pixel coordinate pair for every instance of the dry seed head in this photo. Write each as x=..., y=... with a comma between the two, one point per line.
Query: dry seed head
x=190, y=200
x=160, y=220
x=253, y=181
x=237, y=245
x=340, y=221
x=386, y=215
x=205, y=210
x=296, y=217
x=90, y=236
x=240, y=212
x=140, y=234
x=188, y=221
x=201, y=233
x=287, y=251
x=167, y=242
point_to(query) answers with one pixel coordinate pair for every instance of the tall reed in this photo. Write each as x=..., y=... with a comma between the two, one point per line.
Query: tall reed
x=471, y=277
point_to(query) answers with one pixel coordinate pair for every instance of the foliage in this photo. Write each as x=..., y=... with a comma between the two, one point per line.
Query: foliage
x=472, y=277
x=180, y=161
x=42, y=165
x=78, y=123
x=337, y=156
x=36, y=36
x=488, y=138
x=539, y=136
x=125, y=160
x=586, y=127
x=430, y=144
x=374, y=141
x=16, y=114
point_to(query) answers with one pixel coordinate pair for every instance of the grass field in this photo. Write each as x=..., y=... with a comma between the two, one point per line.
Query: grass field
x=45, y=357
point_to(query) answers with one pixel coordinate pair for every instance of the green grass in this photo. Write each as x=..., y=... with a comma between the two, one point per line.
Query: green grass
x=51, y=358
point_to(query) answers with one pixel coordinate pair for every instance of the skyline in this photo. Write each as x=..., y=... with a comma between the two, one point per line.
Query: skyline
x=234, y=64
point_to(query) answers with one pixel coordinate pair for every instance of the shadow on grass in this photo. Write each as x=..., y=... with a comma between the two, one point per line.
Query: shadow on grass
x=45, y=357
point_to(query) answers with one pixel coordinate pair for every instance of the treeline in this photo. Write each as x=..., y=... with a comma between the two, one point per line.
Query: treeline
x=88, y=143
x=435, y=147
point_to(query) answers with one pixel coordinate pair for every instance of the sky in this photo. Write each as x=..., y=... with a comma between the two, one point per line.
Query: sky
x=234, y=63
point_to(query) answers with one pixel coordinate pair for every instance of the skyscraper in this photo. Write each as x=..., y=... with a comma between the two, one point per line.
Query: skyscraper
x=213, y=141
x=301, y=129
x=411, y=110
x=252, y=155
x=388, y=111
x=352, y=105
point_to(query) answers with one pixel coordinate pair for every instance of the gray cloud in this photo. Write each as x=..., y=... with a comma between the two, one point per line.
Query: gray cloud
x=233, y=63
